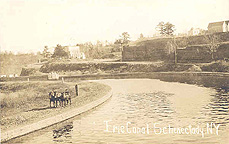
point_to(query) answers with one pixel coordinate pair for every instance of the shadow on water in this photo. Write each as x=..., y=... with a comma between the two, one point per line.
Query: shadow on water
x=155, y=106
x=64, y=131
x=60, y=132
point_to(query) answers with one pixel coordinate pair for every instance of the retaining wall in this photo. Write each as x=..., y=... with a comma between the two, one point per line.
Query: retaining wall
x=193, y=50
x=52, y=120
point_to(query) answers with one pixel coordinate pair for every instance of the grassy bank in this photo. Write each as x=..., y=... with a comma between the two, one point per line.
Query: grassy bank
x=112, y=67
x=128, y=67
x=23, y=103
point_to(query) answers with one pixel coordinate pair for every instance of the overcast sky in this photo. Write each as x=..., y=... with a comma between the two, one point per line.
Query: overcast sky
x=29, y=25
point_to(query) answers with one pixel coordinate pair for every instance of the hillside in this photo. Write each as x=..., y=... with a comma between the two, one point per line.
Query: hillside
x=190, y=49
x=13, y=64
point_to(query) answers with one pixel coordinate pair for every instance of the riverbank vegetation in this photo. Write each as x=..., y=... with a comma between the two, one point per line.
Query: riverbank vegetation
x=128, y=67
x=27, y=102
x=193, y=53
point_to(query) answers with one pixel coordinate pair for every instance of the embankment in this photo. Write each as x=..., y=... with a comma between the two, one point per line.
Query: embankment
x=191, y=49
x=124, y=67
x=207, y=79
x=112, y=67
x=39, y=115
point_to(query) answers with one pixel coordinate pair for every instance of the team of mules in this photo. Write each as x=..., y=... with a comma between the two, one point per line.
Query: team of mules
x=59, y=98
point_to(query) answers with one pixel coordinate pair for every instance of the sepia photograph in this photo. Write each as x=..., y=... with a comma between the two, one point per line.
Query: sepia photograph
x=114, y=71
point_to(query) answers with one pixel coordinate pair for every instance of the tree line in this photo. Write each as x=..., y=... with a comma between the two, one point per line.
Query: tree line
x=99, y=50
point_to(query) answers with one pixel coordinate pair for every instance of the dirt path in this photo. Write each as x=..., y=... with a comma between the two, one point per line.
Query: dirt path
x=88, y=92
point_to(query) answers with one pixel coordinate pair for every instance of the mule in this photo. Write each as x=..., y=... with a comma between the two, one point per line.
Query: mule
x=60, y=99
x=52, y=99
x=68, y=98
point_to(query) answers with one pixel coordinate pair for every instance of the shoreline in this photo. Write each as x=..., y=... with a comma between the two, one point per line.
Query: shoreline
x=113, y=75
x=64, y=114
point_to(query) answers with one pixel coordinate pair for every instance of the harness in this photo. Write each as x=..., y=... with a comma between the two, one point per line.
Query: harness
x=52, y=96
x=67, y=95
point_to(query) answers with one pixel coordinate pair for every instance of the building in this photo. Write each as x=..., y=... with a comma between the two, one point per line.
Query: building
x=195, y=31
x=74, y=51
x=222, y=26
x=3, y=75
x=53, y=75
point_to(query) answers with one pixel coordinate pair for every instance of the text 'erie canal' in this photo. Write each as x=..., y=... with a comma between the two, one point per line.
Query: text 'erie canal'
x=157, y=129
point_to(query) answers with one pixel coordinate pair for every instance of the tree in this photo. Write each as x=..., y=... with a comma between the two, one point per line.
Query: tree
x=99, y=44
x=141, y=36
x=118, y=41
x=213, y=43
x=165, y=28
x=169, y=28
x=172, y=48
x=125, y=37
x=161, y=28
x=46, y=53
x=123, y=40
x=61, y=52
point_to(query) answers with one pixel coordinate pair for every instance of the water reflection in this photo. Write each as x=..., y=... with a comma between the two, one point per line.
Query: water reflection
x=64, y=131
x=144, y=102
x=217, y=110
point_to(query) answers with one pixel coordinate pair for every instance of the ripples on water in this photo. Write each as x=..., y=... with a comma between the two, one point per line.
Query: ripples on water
x=217, y=110
x=141, y=109
x=148, y=106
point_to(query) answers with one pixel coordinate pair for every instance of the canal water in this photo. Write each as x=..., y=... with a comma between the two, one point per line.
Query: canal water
x=146, y=111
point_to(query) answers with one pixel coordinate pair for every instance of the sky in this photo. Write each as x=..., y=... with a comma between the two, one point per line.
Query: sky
x=29, y=25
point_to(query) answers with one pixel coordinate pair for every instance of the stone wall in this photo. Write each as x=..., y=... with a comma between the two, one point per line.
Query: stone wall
x=194, y=54
x=197, y=51
x=52, y=120
x=142, y=53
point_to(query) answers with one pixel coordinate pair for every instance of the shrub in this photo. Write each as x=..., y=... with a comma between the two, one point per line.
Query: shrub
x=216, y=67
x=28, y=71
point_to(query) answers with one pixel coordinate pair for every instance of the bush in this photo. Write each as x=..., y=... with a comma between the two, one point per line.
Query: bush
x=61, y=52
x=28, y=71
x=216, y=67
x=195, y=68
x=113, y=67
